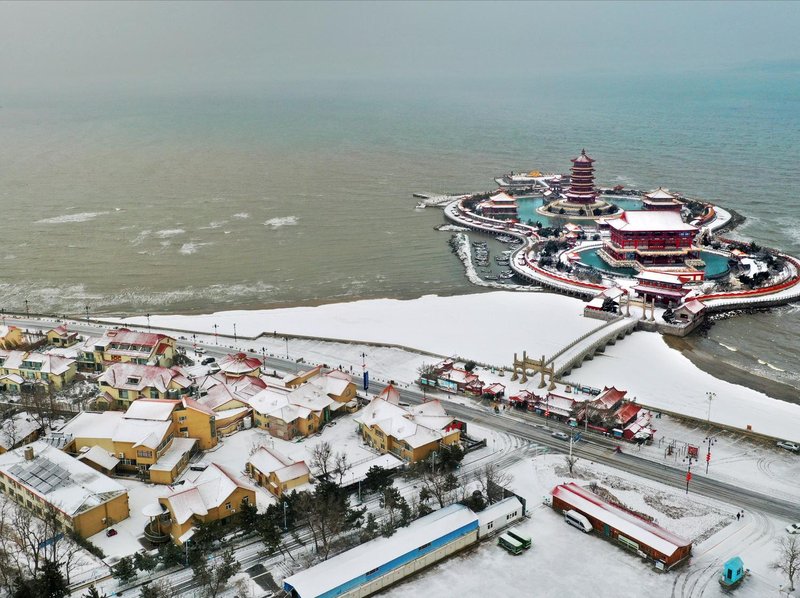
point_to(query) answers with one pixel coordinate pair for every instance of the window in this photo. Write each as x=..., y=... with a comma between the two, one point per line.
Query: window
x=228, y=506
x=133, y=380
x=373, y=571
x=491, y=525
x=153, y=393
x=424, y=546
x=181, y=419
x=123, y=394
x=246, y=500
x=146, y=454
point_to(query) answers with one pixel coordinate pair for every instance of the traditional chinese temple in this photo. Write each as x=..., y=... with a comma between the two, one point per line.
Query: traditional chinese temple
x=662, y=287
x=661, y=199
x=501, y=206
x=581, y=189
x=644, y=238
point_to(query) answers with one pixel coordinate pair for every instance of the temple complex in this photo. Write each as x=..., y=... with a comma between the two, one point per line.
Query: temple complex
x=643, y=239
x=501, y=206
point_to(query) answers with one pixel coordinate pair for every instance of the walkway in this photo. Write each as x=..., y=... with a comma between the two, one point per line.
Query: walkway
x=574, y=354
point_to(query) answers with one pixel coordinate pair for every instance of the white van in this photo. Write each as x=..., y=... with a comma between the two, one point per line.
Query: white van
x=575, y=519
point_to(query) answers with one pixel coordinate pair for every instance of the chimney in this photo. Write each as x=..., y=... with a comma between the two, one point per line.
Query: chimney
x=29, y=453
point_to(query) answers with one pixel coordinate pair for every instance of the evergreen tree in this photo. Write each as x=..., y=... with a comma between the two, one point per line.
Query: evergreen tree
x=170, y=555
x=51, y=583
x=248, y=516
x=93, y=593
x=144, y=562
x=124, y=570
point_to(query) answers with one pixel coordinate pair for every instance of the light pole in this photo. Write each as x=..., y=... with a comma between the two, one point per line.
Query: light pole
x=286, y=338
x=234, y=333
x=285, y=526
x=689, y=471
x=27, y=311
x=87, y=314
x=711, y=396
x=710, y=442
x=216, y=340
x=364, y=375
x=148, y=321
x=194, y=342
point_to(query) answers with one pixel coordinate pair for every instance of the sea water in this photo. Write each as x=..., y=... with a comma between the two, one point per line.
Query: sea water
x=301, y=194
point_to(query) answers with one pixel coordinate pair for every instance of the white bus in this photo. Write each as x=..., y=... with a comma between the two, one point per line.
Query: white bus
x=575, y=519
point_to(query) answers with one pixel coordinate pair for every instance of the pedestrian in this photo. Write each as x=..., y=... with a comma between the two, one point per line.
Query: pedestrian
x=738, y=515
x=742, y=513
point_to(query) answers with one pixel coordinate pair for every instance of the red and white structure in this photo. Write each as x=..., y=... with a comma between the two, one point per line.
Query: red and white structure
x=661, y=199
x=651, y=238
x=581, y=189
x=501, y=206
x=662, y=287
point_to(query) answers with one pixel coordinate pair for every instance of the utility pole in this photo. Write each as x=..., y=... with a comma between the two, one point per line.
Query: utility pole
x=689, y=472
x=27, y=311
x=148, y=321
x=711, y=396
x=286, y=338
x=87, y=314
x=364, y=373
x=285, y=506
x=234, y=333
x=709, y=442
x=216, y=339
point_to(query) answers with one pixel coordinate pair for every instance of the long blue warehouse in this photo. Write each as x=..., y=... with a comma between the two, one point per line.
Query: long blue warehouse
x=381, y=562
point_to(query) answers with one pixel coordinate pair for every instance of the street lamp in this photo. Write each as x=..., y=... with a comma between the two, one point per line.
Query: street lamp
x=711, y=396
x=148, y=321
x=234, y=333
x=216, y=340
x=27, y=311
x=285, y=506
x=710, y=442
x=87, y=314
x=690, y=459
x=286, y=338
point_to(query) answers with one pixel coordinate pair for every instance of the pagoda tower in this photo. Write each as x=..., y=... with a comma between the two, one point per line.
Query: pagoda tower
x=581, y=189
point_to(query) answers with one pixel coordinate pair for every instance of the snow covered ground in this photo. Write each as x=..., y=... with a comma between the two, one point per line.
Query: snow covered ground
x=487, y=327
x=565, y=562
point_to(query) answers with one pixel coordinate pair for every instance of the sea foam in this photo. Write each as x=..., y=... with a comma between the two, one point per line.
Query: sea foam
x=279, y=222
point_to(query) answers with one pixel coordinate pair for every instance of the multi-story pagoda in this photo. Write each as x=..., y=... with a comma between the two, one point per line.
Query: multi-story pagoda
x=581, y=199
x=581, y=189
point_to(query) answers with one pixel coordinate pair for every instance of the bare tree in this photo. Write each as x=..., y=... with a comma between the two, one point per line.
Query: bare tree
x=490, y=477
x=570, y=460
x=321, y=456
x=788, y=559
x=341, y=465
x=443, y=486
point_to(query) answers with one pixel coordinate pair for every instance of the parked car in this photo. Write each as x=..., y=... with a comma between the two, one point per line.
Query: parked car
x=208, y=360
x=213, y=368
x=111, y=532
x=200, y=350
x=789, y=446
x=793, y=528
x=560, y=435
x=198, y=466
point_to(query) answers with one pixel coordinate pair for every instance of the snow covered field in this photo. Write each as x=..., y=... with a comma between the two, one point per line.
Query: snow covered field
x=565, y=562
x=486, y=327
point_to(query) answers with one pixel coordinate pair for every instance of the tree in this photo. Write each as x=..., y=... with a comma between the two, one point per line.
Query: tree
x=214, y=579
x=327, y=514
x=157, y=589
x=144, y=562
x=170, y=555
x=50, y=583
x=490, y=479
x=124, y=570
x=398, y=513
x=321, y=456
x=269, y=532
x=377, y=479
x=469, y=366
x=341, y=465
x=248, y=516
x=439, y=485
x=788, y=561
x=370, y=530
x=570, y=460
x=94, y=593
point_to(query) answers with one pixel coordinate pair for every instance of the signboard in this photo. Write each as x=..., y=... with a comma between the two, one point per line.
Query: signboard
x=708, y=456
x=692, y=451
x=366, y=380
x=448, y=385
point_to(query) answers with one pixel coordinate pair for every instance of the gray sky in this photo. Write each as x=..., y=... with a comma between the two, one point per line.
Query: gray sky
x=158, y=45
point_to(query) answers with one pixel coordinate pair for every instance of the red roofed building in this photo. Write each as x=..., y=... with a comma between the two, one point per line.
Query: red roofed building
x=240, y=364
x=662, y=287
x=661, y=199
x=123, y=345
x=627, y=529
x=581, y=189
x=501, y=206
x=650, y=238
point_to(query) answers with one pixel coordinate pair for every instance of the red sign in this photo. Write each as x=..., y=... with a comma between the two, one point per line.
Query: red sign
x=692, y=450
x=688, y=476
x=708, y=456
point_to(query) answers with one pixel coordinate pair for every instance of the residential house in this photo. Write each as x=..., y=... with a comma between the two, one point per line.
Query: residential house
x=10, y=337
x=19, y=429
x=61, y=337
x=286, y=413
x=123, y=345
x=276, y=472
x=229, y=399
x=46, y=480
x=123, y=383
x=238, y=365
x=215, y=495
x=19, y=369
x=411, y=433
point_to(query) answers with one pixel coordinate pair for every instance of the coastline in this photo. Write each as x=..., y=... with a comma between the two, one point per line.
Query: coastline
x=713, y=365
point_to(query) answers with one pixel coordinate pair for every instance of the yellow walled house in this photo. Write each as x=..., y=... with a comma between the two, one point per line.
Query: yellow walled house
x=215, y=495
x=286, y=414
x=18, y=368
x=123, y=345
x=123, y=383
x=276, y=472
x=411, y=433
x=154, y=438
x=44, y=479
x=10, y=337
x=238, y=365
x=61, y=337
x=338, y=386
x=229, y=399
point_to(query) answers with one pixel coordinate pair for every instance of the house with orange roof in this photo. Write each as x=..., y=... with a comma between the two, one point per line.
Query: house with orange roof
x=10, y=337
x=276, y=472
x=122, y=345
x=123, y=383
x=61, y=337
x=22, y=368
x=238, y=365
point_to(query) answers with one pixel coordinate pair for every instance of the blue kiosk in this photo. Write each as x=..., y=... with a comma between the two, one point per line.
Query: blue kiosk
x=733, y=573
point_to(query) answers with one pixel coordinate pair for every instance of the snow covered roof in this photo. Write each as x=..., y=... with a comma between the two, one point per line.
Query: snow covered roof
x=417, y=426
x=15, y=429
x=650, y=221
x=289, y=405
x=154, y=409
x=501, y=198
x=208, y=491
x=665, y=277
x=6, y=330
x=499, y=509
x=609, y=397
x=133, y=376
x=239, y=364
x=660, y=194
x=61, y=480
x=358, y=471
x=357, y=562
x=62, y=332
x=267, y=460
x=694, y=306
x=626, y=523
x=390, y=394
x=93, y=424
x=333, y=383
x=47, y=363
x=582, y=159
x=100, y=456
x=124, y=336
x=173, y=455
x=117, y=427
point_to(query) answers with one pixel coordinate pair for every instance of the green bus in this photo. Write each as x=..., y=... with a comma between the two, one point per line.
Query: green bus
x=510, y=544
x=521, y=538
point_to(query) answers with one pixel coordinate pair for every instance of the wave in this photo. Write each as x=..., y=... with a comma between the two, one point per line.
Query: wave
x=279, y=222
x=169, y=232
x=191, y=247
x=65, y=218
x=241, y=216
x=770, y=366
x=728, y=347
